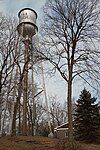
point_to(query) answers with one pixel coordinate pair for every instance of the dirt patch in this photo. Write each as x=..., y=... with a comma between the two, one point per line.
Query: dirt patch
x=26, y=143
x=38, y=143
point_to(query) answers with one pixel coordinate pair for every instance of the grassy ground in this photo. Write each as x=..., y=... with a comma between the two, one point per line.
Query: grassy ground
x=39, y=143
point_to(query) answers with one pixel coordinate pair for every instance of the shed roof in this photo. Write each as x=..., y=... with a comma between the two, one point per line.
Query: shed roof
x=65, y=125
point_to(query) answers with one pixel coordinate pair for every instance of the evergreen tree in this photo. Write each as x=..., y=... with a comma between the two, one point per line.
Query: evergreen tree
x=87, y=117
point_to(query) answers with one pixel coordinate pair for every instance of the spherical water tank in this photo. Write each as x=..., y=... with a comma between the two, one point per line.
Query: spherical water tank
x=27, y=23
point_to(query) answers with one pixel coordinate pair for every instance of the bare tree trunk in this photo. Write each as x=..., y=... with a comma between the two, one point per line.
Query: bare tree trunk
x=70, y=122
x=33, y=121
x=46, y=100
x=25, y=89
x=11, y=118
x=16, y=108
x=15, y=111
x=69, y=102
x=34, y=105
x=0, y=99
x=19, y=111
x=14, y=119
x=3, y=119
x=24, y=122
x=0, y=111
x=29, y=113
x=15, y=105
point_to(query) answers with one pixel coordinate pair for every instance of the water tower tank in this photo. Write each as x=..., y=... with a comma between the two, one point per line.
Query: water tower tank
x=27, y=23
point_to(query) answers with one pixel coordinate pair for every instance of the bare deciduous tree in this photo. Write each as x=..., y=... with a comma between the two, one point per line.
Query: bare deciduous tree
x=57, y=112
x=8, y=41
x=13, y=68
x=70, y=35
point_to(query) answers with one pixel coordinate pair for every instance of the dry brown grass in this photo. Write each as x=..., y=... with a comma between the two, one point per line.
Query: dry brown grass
x=40, y=143
x=26, y=143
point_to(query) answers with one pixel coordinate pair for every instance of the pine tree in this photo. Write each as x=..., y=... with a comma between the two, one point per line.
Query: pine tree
x=87, y=117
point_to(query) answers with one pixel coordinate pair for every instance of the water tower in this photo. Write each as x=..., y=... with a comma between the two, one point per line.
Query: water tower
x=26, y=29
x=27, y=23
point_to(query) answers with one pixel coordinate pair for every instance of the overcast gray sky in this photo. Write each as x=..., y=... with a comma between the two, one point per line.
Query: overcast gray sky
x=55, y=86
x=12, y=7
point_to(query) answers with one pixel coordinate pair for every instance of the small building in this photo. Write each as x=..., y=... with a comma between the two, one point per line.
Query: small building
x=61, y=132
